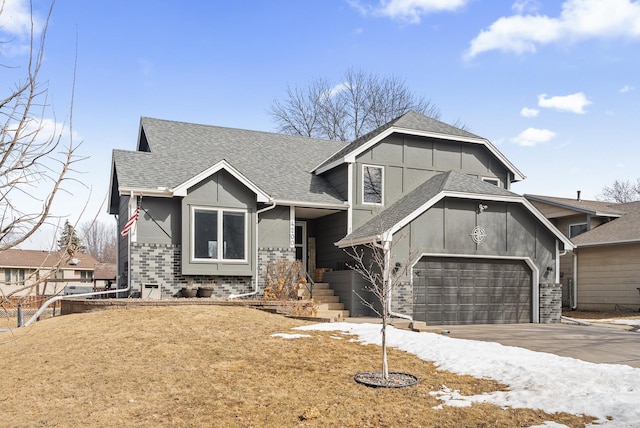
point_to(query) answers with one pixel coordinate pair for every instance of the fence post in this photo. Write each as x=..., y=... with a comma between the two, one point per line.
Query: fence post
x=20, y=316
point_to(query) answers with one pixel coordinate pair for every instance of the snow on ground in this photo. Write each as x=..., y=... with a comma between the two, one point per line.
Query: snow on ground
x=536, y=380
x=633, y=323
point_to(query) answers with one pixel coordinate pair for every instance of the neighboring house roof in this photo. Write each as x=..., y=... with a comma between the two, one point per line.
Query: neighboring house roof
x=448, y=184
x=415, y=124
x=625, y=229
x=280, y=165
x=105, y=271
x=600, y=208
x=34, y=259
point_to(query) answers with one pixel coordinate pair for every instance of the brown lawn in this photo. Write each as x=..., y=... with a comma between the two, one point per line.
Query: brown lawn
x=218, y=366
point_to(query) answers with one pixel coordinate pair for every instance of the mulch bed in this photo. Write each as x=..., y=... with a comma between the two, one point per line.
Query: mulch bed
x=395, y=380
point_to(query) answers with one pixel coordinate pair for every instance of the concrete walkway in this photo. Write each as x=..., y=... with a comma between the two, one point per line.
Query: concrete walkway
x=596, y=343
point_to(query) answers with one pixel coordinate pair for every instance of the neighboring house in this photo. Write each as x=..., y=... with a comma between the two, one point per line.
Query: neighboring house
x=104, y=276
x=23, y=268
x=217, y=204
x=603, y=272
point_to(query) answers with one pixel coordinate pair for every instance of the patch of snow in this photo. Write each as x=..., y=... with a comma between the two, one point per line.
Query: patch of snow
x=536, y=380
x=289, y=335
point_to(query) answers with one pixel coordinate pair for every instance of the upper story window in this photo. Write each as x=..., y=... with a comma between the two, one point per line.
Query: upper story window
x=86, y=274
x=576, y=229
x=492, y=180
x=219, y=234
x=372, y=184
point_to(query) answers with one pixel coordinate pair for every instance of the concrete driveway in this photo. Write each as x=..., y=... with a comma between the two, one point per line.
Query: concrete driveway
x=597, y=343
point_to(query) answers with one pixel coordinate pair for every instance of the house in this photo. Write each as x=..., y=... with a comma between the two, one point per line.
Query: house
x=34, y=272
x=603, y=272
x=217, y=204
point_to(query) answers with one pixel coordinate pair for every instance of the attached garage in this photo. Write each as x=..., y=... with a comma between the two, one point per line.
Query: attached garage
x=451, y=290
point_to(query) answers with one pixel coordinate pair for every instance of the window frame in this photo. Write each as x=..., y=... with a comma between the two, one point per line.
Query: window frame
x=381, y=168
x=220, y=212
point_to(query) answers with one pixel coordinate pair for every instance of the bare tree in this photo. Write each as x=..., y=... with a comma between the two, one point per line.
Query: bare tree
x=348, y=110
x=100, y=239
x=373, y=262
x=35, y=158
x=621, y=192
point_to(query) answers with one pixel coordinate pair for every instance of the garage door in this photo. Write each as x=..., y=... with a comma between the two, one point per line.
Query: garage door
x=471, y=291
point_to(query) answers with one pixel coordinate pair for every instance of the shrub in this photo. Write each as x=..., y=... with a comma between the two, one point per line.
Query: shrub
x=284, y=278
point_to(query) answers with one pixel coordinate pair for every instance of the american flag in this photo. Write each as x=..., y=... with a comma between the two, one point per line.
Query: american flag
x=132, y=220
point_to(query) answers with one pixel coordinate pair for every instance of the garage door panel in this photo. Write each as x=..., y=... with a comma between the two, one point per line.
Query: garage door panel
x=472, y=291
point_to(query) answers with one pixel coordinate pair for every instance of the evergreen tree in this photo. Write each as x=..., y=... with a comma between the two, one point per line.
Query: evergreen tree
x=69, y=240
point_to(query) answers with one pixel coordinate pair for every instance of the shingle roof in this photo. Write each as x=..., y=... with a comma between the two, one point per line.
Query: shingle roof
x=623, y=229
x=409, y=120
x=451, y=181
x=581, y=205
x=105, y=271
x=279, y=164
x=32, y=259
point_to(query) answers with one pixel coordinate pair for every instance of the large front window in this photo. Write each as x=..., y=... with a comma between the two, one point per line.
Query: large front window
x=372, y=183
x=14, y=276
x=219, y=234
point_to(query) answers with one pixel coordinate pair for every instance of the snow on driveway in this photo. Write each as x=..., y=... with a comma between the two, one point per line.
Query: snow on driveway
x=536, y=380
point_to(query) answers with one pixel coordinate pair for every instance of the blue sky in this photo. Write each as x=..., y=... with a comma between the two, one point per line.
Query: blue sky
x=554, y=85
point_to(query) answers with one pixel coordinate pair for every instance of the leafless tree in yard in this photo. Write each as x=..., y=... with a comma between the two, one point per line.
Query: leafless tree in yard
x=373, y=262
x=348, y=110
x=100, y=238
x=621, y=192
x=37, y=154
x=34, y=154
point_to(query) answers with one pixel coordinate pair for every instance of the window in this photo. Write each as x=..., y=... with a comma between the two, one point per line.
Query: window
x=372, y=184
x=14, y=276
x=491, y=180
x=214, y=226
x=84, y=274
x=576, y=229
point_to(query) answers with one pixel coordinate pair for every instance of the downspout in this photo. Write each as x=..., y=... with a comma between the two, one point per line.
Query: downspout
x=574, y=290
x=387, y=277
x=255, y=280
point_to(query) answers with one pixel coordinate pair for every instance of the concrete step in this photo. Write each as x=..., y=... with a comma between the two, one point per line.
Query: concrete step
x=333, y=315
x=321, y=286
x=326, y=299
x=322, y=292
x=331, y=306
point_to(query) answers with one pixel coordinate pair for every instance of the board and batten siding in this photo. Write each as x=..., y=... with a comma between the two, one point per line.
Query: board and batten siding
x=609, y=277
x=409, y=161
x=220, y=190
x=511, y=231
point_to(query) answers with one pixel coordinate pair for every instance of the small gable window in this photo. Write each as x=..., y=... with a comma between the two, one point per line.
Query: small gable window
x=219, y=234
x=491, y=180
x=372, y=184
x=576, y=229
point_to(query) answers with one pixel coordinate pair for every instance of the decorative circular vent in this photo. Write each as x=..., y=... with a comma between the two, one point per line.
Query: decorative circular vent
x=478, y=234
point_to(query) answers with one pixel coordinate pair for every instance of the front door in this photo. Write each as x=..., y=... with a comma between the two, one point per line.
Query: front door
x=301, y=243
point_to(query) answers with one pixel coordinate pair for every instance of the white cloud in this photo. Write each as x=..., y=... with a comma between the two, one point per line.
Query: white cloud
x=532, y=137
x=579, y=20
x=574, y=103
x=408, y=10
x=627, y=88
x=15, y=18
x=522, y=6
x=529, y=112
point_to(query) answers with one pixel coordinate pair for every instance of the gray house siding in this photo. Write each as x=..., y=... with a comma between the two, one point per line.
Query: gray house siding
x=409, y=161
x=338, y=177
x=160, y=221
x=274, y=227
x=329, y=230
x=221, y=190
x=123, y=248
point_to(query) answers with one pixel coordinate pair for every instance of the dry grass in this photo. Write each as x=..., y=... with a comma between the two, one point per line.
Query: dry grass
x=219, y=366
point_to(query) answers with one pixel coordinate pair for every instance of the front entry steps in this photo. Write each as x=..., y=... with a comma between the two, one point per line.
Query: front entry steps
x=328, y=304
